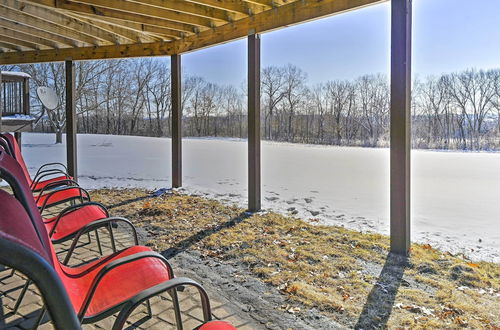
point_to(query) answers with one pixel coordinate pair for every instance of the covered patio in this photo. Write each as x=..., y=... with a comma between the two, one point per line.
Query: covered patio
x=36, y=31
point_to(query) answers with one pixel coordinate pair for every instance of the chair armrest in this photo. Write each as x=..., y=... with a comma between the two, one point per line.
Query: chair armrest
x=116, y=264
x=158, y=289
x=65, y=169
x=44, y=174
x=96, y=225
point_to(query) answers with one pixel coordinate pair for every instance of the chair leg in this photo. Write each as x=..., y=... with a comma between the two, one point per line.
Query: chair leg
x=177, y=308
x=21, y=296
x=98, y=242
x=40, y=318
x=112, y=237
x=148, y=308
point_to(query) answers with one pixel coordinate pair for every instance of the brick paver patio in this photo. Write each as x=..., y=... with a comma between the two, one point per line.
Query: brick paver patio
x=163, y=316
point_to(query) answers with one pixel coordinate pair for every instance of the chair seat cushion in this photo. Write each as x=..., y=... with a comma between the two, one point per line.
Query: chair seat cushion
x=217, y=325
x=119, y=285
x=58, y=197
x=72, y=222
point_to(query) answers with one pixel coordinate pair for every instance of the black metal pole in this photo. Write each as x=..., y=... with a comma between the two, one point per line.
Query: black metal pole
x=175, y=71
x=400, y=124
x=254, y=174
x=71, y=126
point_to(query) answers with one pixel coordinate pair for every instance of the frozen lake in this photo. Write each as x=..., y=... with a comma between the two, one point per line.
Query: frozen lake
x=455, y=195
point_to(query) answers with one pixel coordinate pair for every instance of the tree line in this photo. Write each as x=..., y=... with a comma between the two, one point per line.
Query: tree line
x=452, y=111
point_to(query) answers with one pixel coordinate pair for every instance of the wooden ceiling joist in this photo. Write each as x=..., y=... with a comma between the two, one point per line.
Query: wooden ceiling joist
x=235, y=6
x=190, y=8
x=40, y=42
x=63, y=20
x=19, y=42
x=50, y=37
x=171, y=22
x=129, y=35
x=179, y=36
x=79, y=39
x=141, y=28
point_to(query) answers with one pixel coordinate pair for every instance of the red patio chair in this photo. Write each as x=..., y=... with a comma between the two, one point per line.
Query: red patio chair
x=49, y=173
x=53, y=191
x=74, y=220
x=119, y=282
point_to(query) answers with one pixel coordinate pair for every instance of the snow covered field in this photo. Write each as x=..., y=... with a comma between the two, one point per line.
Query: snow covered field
x=455, y=197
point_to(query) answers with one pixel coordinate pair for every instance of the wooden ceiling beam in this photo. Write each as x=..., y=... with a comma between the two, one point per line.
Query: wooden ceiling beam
x=235, y=6
x=12, y=47
x=130, y=35
x=101, y=11
x=141, y=28
x=18, y=42
x=56, y=17
x=42, y=34
x=190, y=8
x=286, y=15
x=43, y=43
x=38, y=23
x=140, y=8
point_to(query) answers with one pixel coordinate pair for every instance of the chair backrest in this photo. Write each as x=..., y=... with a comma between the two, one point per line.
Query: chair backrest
x=11, y=172
x=4, y=144
x=21, y=249
x=17, y=154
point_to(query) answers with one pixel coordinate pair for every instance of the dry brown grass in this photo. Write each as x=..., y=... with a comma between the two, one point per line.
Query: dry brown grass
x=346, y=274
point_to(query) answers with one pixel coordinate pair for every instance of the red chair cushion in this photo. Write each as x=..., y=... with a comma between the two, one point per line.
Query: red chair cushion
x=217, y=325
x=119, y=285
x=74, y=221
x=42, y=184
x=58, y=197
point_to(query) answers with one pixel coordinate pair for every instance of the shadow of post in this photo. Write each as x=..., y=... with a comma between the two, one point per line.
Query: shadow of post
x=198, y=236
x=380, y=301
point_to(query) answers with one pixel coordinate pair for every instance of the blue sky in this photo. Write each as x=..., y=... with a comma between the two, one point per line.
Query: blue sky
x=448, y=35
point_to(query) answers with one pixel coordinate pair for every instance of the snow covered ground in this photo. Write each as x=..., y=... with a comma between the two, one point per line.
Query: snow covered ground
x=455, y=201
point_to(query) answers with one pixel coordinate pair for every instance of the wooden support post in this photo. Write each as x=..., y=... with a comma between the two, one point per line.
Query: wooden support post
x=400, y=125
x=175, y=71
x=71, y=126
x=254, y=183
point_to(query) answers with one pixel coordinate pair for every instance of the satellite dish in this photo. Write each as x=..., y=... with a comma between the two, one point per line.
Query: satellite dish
x=48, y=97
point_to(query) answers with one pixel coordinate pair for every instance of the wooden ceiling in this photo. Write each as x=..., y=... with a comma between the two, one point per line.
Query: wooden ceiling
x=55, y=30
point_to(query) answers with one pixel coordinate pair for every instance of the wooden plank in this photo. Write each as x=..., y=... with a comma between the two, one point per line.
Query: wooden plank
x=42, y=34
x=127, y=16
x=71, y=125
x=12, y=47
x=400, y=125
x=235, y=6
x=42, y=43
x=129, y=35
x=190, y=8
x=67, y=22
x=18, y=42
x=140, y=9
x=290, y=14
x=14, y=15
x=175, y=71
x=254, y=179
x=145, y=29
